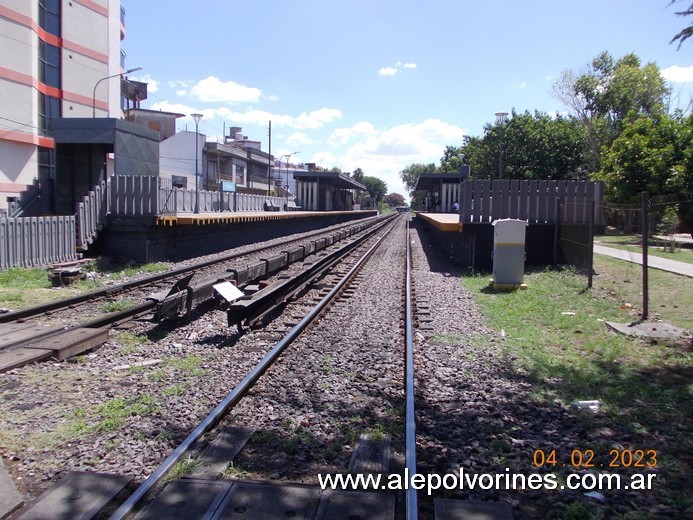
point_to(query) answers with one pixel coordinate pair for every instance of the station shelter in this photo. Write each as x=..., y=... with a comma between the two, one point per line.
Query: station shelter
x=327, y=191
x=441, y=190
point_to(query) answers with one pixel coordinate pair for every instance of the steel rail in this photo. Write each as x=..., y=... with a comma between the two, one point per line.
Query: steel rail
x=37, y=310
x=412, y=508
x=218, y=413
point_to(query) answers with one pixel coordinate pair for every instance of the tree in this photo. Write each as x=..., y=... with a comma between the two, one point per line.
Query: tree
x=357, y=174
x=394, y=200
x=688, y=31
x=609, y=93
x=376, y=187
x=653, y=154
x=410, y=174
x=535, y=146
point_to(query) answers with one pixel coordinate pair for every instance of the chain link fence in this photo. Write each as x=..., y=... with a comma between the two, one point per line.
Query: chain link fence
x=653, y=233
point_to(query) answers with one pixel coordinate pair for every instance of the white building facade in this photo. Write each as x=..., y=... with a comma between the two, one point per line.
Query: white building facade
x=55, y=56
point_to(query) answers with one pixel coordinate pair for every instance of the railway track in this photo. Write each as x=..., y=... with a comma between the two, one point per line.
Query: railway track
x=64, y=328
x=334, y=288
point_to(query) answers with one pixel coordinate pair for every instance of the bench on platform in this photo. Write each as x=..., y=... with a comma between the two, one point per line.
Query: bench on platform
x=271, y=206
x=291, y=206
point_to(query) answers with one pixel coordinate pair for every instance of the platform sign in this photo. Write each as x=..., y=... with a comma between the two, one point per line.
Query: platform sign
x=228, y=186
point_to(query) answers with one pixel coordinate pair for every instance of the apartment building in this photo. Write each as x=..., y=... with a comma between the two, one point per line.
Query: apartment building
x=56, y=57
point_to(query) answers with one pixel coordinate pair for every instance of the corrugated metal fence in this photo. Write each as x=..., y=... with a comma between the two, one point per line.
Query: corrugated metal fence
x=37, y=241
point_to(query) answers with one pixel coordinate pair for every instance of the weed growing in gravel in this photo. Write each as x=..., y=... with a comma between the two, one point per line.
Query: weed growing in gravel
x=128, y=350
x=237, y=472
x=184, y=467
x=117, y=305
x=128, y=339
x=114, y=413
x=157, y=375
x=164, y=435
x=176, y=390
x=326, y=364
x=135, y=270
x=189, y=364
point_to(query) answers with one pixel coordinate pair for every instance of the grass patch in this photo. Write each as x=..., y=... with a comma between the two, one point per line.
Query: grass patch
x=117, y=305
x=24, y=279
x=114, y=413
x=670, y=295
x=644, y=389
x=129, y=341
x=175, y=390
x=120, y=272
x=189, y=364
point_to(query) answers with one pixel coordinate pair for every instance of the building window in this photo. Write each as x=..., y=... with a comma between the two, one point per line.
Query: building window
x=45, y=162
x=49, y=107
x=49, y=16
x=49, y=64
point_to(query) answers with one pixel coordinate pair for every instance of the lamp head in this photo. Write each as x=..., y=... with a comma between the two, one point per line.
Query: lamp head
x=132, y=70
x=196, y=118
x=501, y=116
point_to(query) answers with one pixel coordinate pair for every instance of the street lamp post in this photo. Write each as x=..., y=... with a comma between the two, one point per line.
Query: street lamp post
x=197, y=118
x=93, y=99
x=287, y=156
x=459, y=189
x=501, y=119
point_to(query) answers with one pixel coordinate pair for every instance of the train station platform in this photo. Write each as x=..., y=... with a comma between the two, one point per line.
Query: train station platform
x=205, y=219
x=442, y=221
x=172, y=238
x=470, y=244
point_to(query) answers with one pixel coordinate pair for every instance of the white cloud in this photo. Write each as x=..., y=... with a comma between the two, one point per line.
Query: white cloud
x=181, y=92
x=343, y=135
x=391, y=71
x=385, y=153
x=523, y=84
x=212, y=89
x=387, y=71
x=317, y=118
x=299, y=138
x=306, y=120
x=152, y=84
x=678, y=74
x=186, y=110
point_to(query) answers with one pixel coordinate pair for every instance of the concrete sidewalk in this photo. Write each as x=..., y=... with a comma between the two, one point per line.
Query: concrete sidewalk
x=656, y=262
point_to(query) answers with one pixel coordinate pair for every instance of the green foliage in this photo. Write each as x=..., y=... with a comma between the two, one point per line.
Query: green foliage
x=24, y=279
x=653, y=154
x=610, y=92
x=357, y=175
x=669, y=223
x=411, y=173
x=687, y=32
x=376, y=187
x=535, y=146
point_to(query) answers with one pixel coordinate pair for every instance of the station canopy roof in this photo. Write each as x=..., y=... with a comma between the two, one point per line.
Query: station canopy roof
x=338, y=180
x=432, y=181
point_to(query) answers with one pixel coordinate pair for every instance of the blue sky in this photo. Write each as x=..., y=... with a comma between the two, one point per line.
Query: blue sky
x=381, y=84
